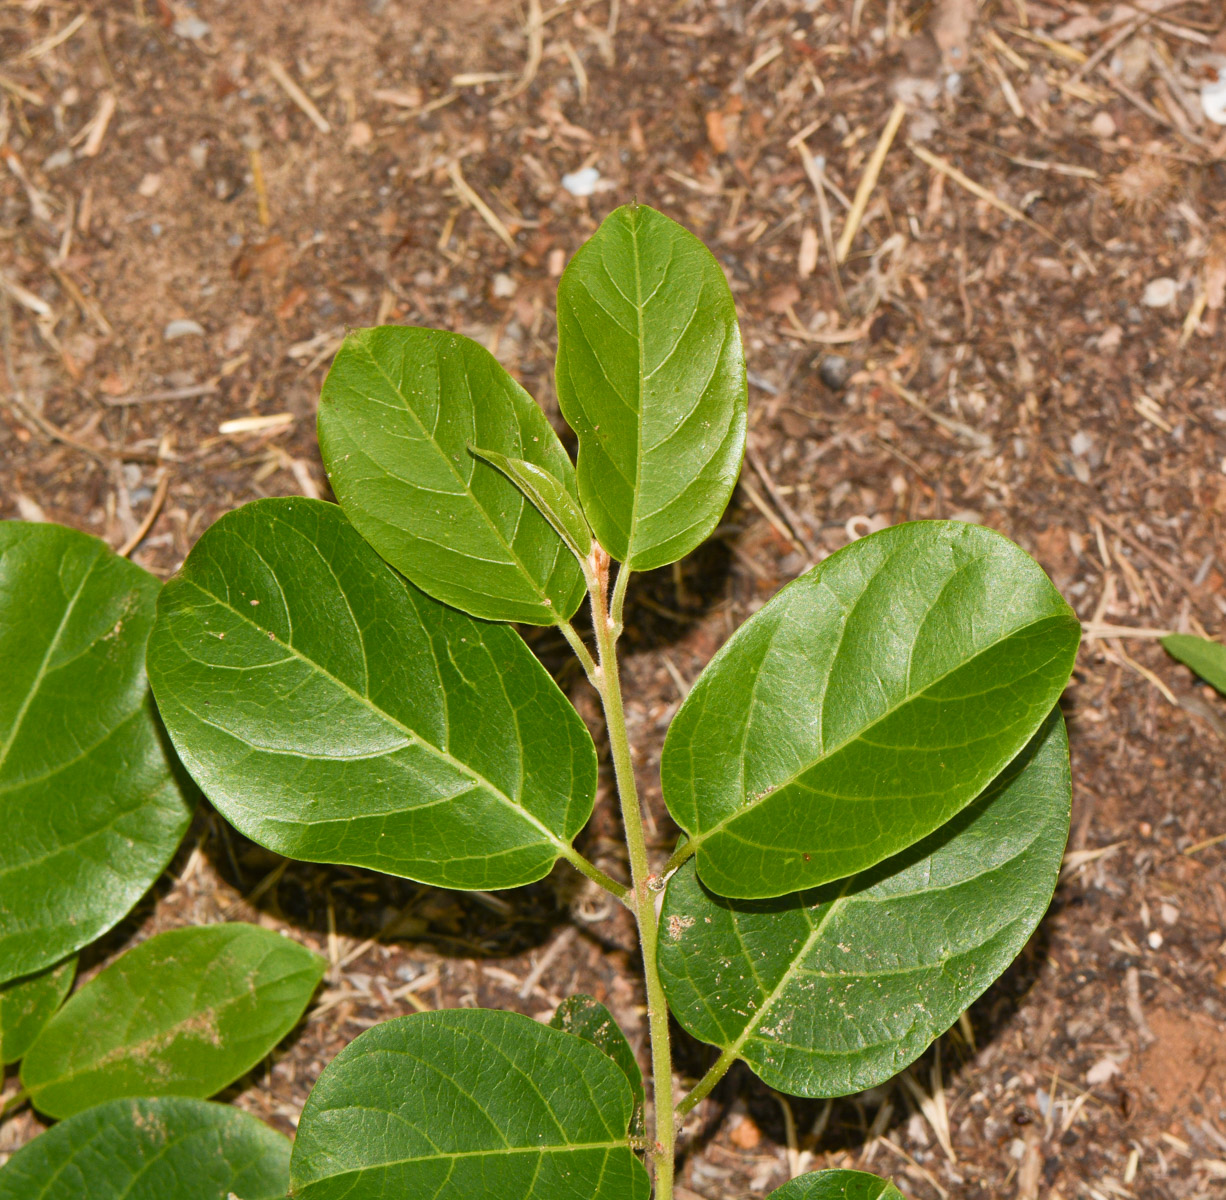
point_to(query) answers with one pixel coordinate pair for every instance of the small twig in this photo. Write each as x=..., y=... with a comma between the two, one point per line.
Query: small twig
x=155, y=507
x=98, y=126
x=1096, y=630
x=535, y=31
x=50, y=43
x=297, y=95
x=487, y=214
x=868, y=181
x=183, y=393
x=1122, y=35
x=785, y=509
x=1141, y=548
x=546, y=960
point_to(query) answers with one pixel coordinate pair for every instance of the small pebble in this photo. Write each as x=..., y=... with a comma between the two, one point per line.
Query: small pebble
x=834, y=371
x=582, y=183
x=192, y=29
x=1154, y=939
x=1160, y=293
x=1103, y=125
x=504, y=286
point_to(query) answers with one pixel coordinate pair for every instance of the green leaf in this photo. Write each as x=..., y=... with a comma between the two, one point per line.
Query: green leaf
x=182, y=1014
x=1206, y=658
x=865, y=705
x=651, y=377
x=166, y=1149
x=837, y=1185
x=586, y=1018
x=92, y=811
x=467, y=1104
x=26, y=1005
x=398, y=411
x=334, y=713
x=551, y=499
x=834, y=990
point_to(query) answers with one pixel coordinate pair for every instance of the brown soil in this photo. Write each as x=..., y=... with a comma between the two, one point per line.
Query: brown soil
x=1042, y=376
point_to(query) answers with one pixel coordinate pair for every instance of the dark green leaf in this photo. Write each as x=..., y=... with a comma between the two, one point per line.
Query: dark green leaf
x=165, y=1149
x=1206, y=658
x=651, y=377
x=183, y=1014
x=399, y=409
x=832, y=991
x=334, y=713
x=92, y=812
x=467, y=1104
x=550, y=498
x=26, y=1005
x=837, y=1185
x=865, y=705
x=585, y=1017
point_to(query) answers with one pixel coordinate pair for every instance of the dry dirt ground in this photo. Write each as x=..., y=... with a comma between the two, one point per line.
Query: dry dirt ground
x=1028, y=331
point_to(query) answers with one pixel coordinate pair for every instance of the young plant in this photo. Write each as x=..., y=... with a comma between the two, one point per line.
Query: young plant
x=871, y=777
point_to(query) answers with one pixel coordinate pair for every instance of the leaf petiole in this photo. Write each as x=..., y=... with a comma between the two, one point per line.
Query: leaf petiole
x=706, y=1085
x=586, y=867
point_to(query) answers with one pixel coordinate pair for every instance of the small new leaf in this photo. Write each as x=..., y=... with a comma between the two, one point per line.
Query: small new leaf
x=26, y=1005
x=585, y=1017
x=835, y=990
x=837, y=1185
x=866, y=704
x=1206, y=658
x=468, y=1104
x=334, y=713
x=92, y=809
x=182, y=1014
x=151, y=1149
x=651, y=377
x=398, y=411
x=551, y=499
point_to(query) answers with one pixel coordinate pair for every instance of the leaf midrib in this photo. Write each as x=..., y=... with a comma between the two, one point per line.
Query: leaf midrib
x=697, y=839
x=24, y=709
x=543, y=598
x=561, y=1148
x=437, y=751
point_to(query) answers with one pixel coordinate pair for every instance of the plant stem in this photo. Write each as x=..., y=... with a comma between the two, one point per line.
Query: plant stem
x=642, y=896
x=586, y=867
x=15, y=1101
x=582, y=653
x=704, y=1087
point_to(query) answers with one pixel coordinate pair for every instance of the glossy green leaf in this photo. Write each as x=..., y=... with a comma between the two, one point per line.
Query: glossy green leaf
x=26, y=1005
x=651, y=377
x=1206, y=658
x=398, y=411
x=334, y=713
x=182, y=1014
x=91, y=810
x=586, y=1018
x=865, y=705
x=837, y=1185
x=834, y=990
x=170, y=1148
x=550, y=498
x=467, y=1104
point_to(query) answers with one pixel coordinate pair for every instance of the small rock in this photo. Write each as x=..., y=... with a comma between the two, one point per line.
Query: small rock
x=360, y=135
x=1154, y=939
x=1103, y=125
x=834, y=371
x=745, y=1134
x=192, y=29
x=58, y=159
x=504, y=287
x=1081, y=443
x=1102, y=1071
x=1213, y=97
x=1160, y=293
x=582, y=183
x=182, y=328
x=149, y=185
x=1168, y=912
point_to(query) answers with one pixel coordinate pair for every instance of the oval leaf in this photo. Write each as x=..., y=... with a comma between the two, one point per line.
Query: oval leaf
x=163, y=1149
x=585, y=1017
x=92, y=812
x=468, y=1104
x=1206, y=658
x=183, y=1014
x=550, y=498
x=831, y=991
x=334, y=713
x=26, y=1005
x=398, y=410
x=651, y=377
x=837, y=1185
x=865, y=705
